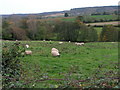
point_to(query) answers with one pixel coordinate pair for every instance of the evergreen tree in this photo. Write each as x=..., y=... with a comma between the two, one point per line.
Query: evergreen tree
x=66, y=15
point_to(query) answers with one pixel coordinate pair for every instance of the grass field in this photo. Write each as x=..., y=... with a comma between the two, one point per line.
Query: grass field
x=69, y=19
x=105, y=16
x=115, y=23
x=42, y=70
x=88, y=18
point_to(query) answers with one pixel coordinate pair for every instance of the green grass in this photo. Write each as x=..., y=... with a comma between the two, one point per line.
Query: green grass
x=80, y=60
x=89, y=18
x=105, y=16
x=71, y=19
x=95, y=17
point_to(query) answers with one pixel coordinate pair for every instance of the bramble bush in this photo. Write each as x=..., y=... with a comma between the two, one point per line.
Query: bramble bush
x=11, y=57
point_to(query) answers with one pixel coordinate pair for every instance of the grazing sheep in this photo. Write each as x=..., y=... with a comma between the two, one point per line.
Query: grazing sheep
x=55, y=52
x=79, y=44
x=69, y=41
x=60, y=42
x=43, y=40
x=27, y=46
x=82, y=43
x=28, y=52
x=54, y=49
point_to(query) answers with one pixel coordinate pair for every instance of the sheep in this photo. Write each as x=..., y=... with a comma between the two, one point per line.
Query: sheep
x=43, y=40
x=60, y=42
x=27, y=46
x=79, y=44
x=54, y=49
x=82, y=43
x=55, y=52
x=28, y=52
x=69, y=41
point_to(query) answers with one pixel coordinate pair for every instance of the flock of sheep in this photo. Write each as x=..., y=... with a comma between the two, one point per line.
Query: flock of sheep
x=54, y=51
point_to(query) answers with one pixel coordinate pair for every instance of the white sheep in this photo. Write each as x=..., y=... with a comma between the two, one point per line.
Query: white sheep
x=69, y=41
x=55, y=52
x=79, y=44
x=54, y=49
x=60, y=42
x=43, y=40
x=27, y=46
x=28, y=52
x=82, y=43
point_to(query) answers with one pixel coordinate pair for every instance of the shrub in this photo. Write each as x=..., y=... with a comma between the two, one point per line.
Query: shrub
x=11, y=65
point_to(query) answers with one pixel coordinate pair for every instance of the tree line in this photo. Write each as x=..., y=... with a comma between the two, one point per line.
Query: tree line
x=33, y=29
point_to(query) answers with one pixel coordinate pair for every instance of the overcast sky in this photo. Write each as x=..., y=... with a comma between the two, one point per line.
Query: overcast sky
x=38, y=6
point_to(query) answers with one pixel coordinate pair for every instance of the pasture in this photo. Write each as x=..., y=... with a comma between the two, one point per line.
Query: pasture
x=41, y=70
x=105, y=16
x=115, y=23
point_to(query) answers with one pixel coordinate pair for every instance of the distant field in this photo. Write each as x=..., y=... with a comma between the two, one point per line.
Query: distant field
x=103, y=23
x=59, y=19
x=105, y=16
x=75, y=63
x=86, y=18
x=69, y=19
